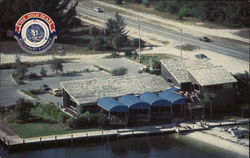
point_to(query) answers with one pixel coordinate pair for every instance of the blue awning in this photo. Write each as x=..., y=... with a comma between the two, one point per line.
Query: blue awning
x=133, y=102
x=154, y=100
x=173, y=97
x=112, y=105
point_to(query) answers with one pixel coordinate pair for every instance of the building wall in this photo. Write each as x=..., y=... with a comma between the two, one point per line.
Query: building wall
x=167, y=75
x=65, y=99
x=224, y=96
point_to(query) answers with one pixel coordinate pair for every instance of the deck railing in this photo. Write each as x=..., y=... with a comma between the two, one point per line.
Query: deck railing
x=118, y=120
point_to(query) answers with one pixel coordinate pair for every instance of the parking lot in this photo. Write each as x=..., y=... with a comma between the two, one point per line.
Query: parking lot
x=9, y=91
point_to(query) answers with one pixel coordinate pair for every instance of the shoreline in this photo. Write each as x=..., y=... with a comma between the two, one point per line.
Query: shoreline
x=219, y=142
x=13, y=144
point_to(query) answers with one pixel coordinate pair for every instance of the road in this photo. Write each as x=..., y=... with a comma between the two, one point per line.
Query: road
x=215, y=46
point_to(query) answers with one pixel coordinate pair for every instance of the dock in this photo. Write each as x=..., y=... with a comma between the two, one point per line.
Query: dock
x=14, y=143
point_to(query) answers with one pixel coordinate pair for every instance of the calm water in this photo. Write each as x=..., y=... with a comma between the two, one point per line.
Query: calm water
x=171, y=146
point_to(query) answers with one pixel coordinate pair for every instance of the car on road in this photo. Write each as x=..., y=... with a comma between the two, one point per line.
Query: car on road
x=201, y=56
x=204, y=39
x=45, y=88
x=99, y=10
x=56, y=92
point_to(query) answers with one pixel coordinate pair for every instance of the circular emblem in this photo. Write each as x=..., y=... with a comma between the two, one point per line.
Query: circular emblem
x=35, y=32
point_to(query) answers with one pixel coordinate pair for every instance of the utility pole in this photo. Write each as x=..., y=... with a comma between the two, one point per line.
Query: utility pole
x=104, y=29
x=181, y=43
x=139, y=54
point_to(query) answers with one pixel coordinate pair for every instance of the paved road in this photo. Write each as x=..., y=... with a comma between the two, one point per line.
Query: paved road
x=8, y=89
x=215, y=46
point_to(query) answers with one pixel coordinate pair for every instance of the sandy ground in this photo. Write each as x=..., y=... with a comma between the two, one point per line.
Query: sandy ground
x=213, y=137
x=196, y=29
x=168, y=46
x=158, y=45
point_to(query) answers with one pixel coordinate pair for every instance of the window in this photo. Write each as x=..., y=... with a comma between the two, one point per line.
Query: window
x=196, y=87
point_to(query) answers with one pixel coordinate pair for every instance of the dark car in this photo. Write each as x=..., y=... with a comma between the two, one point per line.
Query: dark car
x=205, y=39
x=45, y=88
x=201, y=56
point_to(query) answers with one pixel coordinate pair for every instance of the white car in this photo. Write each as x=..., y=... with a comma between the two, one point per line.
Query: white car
x=99, y=10
x=56, y=92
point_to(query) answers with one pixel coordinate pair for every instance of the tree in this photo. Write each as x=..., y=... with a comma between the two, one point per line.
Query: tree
x=98, y=43
x=61, y=11
x=43, y=72
x=208, y=98
x=117, y=42
x=146, y=3
x=22, y=110
x=116, y=25
x=118, y=1
x=56, y=64
x=19, y=67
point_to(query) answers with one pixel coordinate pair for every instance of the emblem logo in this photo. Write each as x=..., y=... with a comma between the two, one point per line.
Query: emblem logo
x=35, y=32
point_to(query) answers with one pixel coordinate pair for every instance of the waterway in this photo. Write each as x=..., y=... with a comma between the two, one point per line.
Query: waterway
x=168, y=146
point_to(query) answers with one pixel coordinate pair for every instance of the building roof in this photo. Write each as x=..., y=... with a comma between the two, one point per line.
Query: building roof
x=178, y=67
x=112, y=105
x=134, y=102
x=202, y=70
x=154, y=99
x=172, y=96
x=212, y=76
x=89, y=91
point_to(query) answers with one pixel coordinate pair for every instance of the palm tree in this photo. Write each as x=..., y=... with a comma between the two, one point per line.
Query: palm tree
x=208, y=98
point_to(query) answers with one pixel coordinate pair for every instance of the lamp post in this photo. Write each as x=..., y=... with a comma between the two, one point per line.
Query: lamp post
x=181, y=43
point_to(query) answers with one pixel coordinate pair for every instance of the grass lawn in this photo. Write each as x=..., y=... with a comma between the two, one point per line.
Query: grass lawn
x=29, y=93
x=43, y=126
x=42, y=129
x=145, y=58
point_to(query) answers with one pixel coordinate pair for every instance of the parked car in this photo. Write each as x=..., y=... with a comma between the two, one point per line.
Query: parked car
x=201, y=56
x=45, y=88
x=56, y=92
x=99, y=10
x=205, y=39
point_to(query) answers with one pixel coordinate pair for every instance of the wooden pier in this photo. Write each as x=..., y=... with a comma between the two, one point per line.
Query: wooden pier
x=13, y=143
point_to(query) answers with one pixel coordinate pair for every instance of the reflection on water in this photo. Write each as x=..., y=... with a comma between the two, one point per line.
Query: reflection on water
x=171, y=146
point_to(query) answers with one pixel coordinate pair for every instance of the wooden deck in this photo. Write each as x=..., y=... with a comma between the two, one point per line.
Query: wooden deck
x=10, y=141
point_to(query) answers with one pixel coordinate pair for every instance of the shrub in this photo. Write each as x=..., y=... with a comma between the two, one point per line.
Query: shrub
x=22, y=110
x=71, y=122
x=43, y=72
x=185, y=12
x=140, y=71
x=146, y=3
x=128, y=53
x=135, y=43
x=119, y=71
x=97, y=43
x=155, y=64
x=161, y=6
x=18, y=78
x=101, y=119
x=118, y=1
x=93, y=31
